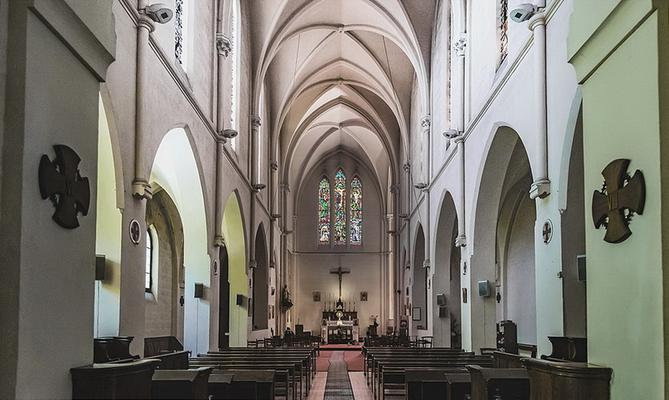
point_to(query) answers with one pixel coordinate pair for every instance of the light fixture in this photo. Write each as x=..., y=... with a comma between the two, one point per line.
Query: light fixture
x=420, y=185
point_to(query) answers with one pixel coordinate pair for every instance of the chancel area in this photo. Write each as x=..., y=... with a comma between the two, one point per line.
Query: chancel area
x=334, y=199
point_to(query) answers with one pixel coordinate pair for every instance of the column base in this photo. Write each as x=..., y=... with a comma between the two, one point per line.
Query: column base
x=540, y=189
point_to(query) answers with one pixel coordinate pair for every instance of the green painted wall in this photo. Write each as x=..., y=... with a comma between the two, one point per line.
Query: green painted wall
x=233, y=232
x=619, y=73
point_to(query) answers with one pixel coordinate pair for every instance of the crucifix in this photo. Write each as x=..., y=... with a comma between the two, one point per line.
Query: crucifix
x=340, y=271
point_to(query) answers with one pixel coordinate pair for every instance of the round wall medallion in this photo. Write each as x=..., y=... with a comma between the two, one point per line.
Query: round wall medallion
x=547, y=231
x=135, y=231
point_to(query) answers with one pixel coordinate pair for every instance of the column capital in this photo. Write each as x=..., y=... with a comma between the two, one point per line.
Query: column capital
x=538, y=19
x=141, y=189
x=219, y=241
x=460, y=46
x=255, y=122
x=426, y=121
x=461, y=241
x=145, y=22
x=395, y=188
x=223, y=45
x=406, y=167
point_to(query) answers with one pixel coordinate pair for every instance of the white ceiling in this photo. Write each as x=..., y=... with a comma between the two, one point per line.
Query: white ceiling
x=338, y=76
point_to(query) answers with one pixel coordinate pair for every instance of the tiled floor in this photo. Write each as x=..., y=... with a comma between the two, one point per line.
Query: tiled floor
x=360, y=389
x=318, y=386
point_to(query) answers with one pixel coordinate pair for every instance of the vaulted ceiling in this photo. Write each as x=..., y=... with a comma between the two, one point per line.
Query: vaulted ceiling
x=339, y=75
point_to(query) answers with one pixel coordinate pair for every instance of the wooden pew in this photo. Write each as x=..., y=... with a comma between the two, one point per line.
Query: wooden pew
x=391, y=375
x=129, y=380
x=459, y=385
x=181, y=384
x=242, y=385
x=508, y=383
x=289, y=369
x=567, y=380
x=175, y=360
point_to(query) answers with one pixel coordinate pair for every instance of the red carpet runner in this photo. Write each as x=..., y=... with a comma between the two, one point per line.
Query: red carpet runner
x=353, y=359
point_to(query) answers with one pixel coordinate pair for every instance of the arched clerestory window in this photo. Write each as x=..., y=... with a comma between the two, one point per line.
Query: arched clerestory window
x=148, y=267
x=324, y=211
x=340, y=208
x=355, y=212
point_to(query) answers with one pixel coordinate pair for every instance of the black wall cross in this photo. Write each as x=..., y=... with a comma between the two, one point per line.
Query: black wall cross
x=620, y=197
x=61, y=182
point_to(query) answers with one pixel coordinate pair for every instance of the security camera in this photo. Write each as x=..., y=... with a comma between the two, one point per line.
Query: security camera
x=523, y=13
x=159, y=12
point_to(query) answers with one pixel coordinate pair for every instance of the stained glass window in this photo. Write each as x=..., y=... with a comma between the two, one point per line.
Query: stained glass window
x=340, y=208
x=356, y=212
x=324, y=211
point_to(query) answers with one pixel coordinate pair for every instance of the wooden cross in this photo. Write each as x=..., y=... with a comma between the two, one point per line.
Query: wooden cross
x=339, y=271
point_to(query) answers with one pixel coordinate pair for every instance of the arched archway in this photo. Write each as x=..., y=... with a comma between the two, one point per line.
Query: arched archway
x=260, y=281
x=573, y=239
x=237, y=278
x=175, y=170
x=108, y=227
x=446, y=279
x=419, y=285
x=504, y=243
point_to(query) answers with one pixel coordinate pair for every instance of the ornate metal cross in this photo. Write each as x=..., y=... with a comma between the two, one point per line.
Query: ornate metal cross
x=620, y=197
x=339, y=271
x=61, y=182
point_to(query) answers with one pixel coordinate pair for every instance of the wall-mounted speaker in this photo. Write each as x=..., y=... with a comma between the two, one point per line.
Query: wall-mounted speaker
x=441, y=299
x=484, y=288
x=100, y=262
x=443, y=312
x=580, y=268
x=241, y=300
x=199, y=291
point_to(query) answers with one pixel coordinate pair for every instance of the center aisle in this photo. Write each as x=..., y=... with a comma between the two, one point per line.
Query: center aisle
x=338, y=385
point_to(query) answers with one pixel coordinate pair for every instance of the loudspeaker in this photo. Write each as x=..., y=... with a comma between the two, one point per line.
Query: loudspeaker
x=580, y=268
x=100, y=262
x=441, y=299
x=443, y=312
x=241, y=300
x=484, y=288
x=199, y=290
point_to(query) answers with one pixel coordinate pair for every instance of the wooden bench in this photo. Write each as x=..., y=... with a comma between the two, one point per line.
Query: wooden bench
x=508, y=383
x=181, y=384
x=242, y=385
x=129, y=380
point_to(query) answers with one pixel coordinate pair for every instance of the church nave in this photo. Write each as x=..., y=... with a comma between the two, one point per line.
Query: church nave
x=334, y=199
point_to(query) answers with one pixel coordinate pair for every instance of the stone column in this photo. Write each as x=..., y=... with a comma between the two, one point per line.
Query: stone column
x=425, y=124
x=541, y=185
x=461, y=240
x=255, y=157
x=223, y=50
x=141, y=188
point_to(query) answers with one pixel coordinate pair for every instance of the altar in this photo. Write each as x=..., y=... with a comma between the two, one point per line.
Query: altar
x=340, y=332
